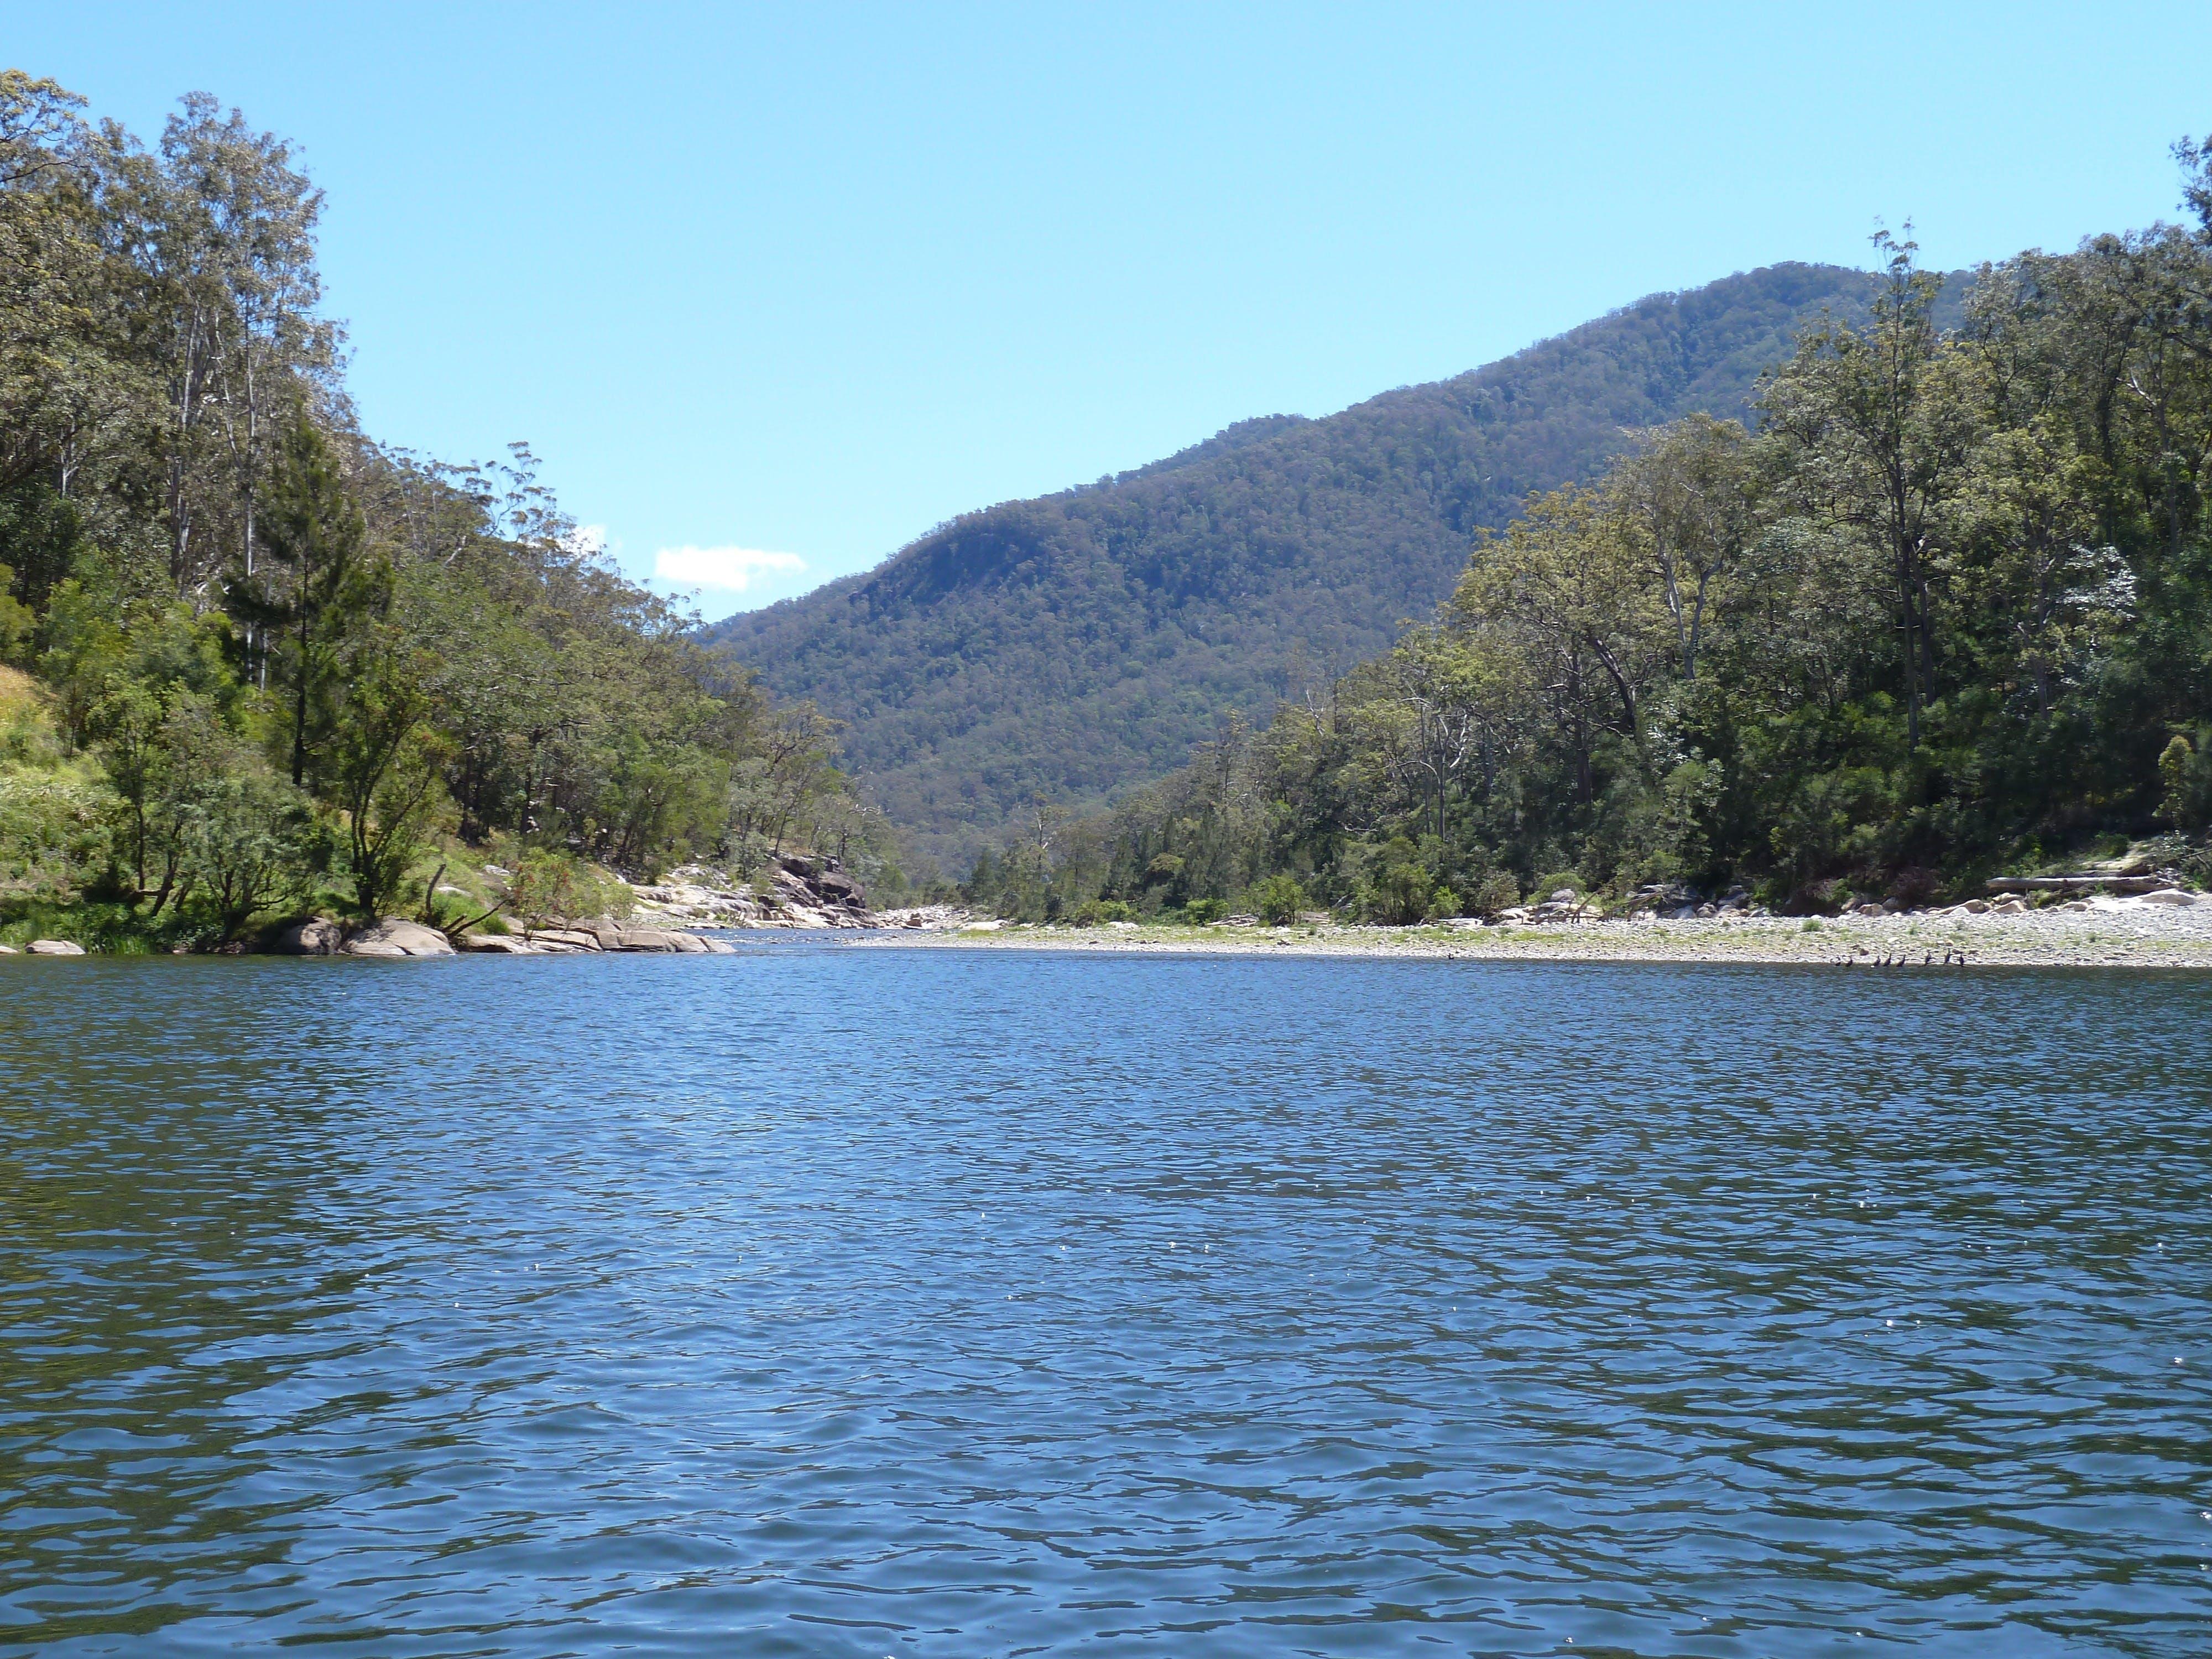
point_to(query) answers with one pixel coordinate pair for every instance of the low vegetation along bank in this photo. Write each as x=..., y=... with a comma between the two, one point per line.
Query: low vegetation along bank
x=256, y=667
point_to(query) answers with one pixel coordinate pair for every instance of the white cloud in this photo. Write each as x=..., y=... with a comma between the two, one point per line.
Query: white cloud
x=732, y=570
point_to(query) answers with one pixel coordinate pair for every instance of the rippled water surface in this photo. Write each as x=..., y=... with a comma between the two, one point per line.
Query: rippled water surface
x=838, y=1301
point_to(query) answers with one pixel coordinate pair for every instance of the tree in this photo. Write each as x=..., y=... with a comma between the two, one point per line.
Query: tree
x=314, y=589
x=1693, y=496
x=1876, y=437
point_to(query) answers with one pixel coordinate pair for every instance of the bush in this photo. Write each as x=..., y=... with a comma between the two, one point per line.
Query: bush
x=1495, y=891
x=1101, y=910
x=1547, y=885
x=554, y=886
x=1398, y=895
x=54, y=838
x=1200, y=912
x=251, y=844
x=1278, y=899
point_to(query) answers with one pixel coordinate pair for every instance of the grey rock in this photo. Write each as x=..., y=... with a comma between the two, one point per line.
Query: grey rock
x=56, y=947
x=497, y=945
x=646, y=938
x=395, y=936
x=565, y=939
x=2169, y=896
x=317, y=938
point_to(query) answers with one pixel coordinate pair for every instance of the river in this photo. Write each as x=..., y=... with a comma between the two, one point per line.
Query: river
x=825, y=1300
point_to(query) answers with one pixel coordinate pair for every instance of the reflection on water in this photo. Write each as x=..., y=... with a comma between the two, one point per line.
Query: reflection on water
x=821, y=1300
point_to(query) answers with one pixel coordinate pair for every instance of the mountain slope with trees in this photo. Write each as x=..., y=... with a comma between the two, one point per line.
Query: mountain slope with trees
x=1942, y=610
x=1066, y=648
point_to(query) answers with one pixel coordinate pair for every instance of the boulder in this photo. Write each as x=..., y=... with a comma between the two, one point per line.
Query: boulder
x=7, y=951
x=2169, y=896
x=720, y=947
x=648, y=939
x=56, y=947
x=497, y=945
x=2011, y=907
x=395, y=936
x=316, y=938
x=606, y=929
x=565, y=939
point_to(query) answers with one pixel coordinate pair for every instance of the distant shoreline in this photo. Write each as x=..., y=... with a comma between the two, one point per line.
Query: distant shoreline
x=2131, y=937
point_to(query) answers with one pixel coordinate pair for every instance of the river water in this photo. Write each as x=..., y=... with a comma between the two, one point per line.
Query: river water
x=828, y=1300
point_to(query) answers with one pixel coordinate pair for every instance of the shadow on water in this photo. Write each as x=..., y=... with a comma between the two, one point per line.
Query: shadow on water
x=826, y=1301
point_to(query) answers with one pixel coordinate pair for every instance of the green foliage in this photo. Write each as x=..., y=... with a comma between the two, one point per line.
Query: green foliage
x=253, y=845
x=1492, y=891
x=1201, y=913
x=551, y=886
x=2184, y=779
x=1278, y=900
x=214, y=573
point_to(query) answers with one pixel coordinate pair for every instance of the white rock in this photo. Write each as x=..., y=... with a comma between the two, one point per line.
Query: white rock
x=2169, y=896
x=56, y=947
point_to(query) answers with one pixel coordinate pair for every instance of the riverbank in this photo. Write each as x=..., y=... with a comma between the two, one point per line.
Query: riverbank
x=2104, y=932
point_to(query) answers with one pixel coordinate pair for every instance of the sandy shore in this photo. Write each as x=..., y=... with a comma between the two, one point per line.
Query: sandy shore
x=2113, y=933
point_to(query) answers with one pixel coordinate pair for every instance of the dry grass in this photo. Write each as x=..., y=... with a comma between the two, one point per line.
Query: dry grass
x=18, y=691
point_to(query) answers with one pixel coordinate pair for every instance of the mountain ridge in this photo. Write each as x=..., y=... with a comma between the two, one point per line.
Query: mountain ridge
x=1067, y=645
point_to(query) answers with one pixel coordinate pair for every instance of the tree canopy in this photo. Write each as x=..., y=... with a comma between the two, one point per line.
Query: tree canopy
x=257, y=662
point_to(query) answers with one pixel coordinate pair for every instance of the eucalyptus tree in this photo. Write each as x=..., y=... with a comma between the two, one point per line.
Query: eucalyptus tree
x=1876, y=437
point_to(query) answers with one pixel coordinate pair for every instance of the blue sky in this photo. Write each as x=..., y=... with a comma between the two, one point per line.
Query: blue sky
x=772, y=290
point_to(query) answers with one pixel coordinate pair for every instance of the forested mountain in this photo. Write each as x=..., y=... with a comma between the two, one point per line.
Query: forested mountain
x=1065, y=647
x=1943, y=609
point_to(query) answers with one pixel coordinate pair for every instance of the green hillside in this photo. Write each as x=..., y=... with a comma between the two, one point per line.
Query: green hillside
x=1070, y=646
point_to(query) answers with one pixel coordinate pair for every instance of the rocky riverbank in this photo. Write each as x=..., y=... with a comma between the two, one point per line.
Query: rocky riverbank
x=2153, y=930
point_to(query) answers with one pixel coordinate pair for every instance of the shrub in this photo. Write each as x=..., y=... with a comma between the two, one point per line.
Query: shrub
x=1278, y=899
x=1097, y=911
x=554, y=886
x=251, y=844
x=1495, y=891
x=1398, y=895
x=1200, y=912
x=1547, y=885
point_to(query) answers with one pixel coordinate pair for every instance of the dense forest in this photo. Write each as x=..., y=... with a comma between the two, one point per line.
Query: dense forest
x=1072, y=646
x=1941, y=606
x=253, y=663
